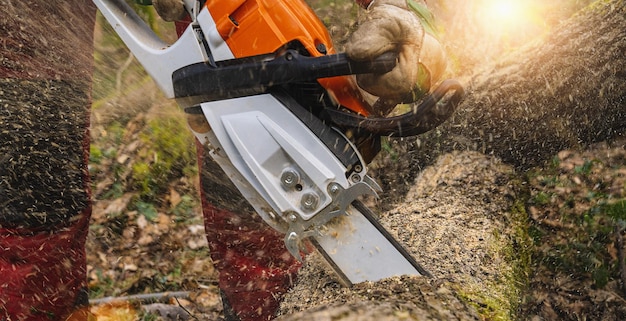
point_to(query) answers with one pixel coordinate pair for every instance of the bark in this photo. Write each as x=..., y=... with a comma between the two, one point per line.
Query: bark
x=45, y=85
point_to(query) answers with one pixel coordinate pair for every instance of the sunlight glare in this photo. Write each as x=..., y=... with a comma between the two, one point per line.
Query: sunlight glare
x=509, y=19
x=504, y=11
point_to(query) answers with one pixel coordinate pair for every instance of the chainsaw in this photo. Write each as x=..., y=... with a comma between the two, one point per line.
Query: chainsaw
x=286, y=121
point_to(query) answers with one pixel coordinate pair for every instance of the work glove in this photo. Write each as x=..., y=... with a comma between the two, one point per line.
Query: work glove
x=170, y=10
x=406, y=28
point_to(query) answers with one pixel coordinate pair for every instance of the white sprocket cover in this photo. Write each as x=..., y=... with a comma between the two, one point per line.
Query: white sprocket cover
x=298, y=186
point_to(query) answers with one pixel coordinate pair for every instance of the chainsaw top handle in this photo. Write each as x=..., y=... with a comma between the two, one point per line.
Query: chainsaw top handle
x=253, y=75
x=245, y=76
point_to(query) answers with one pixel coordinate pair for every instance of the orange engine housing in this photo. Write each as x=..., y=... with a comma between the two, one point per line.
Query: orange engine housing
x=255, y=27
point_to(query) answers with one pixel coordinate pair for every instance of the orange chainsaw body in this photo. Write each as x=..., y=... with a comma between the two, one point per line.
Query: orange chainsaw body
x=256, y=27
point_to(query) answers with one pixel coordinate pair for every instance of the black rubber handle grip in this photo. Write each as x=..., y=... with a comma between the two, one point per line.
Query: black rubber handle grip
x=433, y=110
x=256, y=74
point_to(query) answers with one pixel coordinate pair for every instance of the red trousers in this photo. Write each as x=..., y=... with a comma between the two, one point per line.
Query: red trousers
x=42, y=258
x=255, y=268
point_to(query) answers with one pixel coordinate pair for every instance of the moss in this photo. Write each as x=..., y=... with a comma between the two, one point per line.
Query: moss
x=616, y=210
x=521, y=248
x=388, y=149
x=183, y=211
x=144, y=178
x=95, y=154
x=487, y=299
x=585, y=168
x=500, y=300
x=541, y=198
x=146, y=209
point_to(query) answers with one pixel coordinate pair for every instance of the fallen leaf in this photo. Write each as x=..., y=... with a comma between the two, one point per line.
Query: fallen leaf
x=130, y=267
x=119, y=204
x=196, y=243
x=164, y=222
x=142, y=222
x=610, y=248
x=167, y=312
x=117, y=311
x=175, y=198
x=122, y=158
x=145, y=240
x=196, y=229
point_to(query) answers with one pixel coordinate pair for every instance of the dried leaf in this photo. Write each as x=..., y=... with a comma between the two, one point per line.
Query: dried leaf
x=142, y=222
x=118, y=311
x=130, y=267
x=167, y=312
x=175, y=198
x=118, y=205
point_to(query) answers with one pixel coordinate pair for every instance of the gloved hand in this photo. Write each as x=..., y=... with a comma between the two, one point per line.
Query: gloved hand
x=403, y=27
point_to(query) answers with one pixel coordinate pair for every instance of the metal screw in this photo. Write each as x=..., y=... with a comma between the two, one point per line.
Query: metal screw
x=358, y=168
x=289, y=178
x=292, y=217
x=355, y=178
x=309, y=201
x=321, y=48
x=333, y=188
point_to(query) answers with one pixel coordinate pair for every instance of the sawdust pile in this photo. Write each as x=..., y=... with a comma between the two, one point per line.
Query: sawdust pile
x=457, y=222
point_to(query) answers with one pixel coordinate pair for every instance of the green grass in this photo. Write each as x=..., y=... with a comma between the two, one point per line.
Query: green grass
x=588, y=219
x=165, y=149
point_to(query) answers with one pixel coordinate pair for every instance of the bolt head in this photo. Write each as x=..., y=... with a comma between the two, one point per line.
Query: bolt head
x=289, y=178
x=309, y=201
